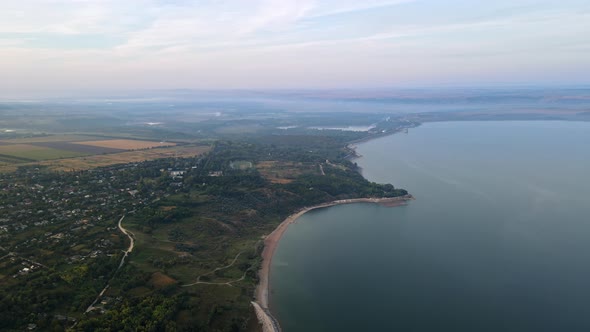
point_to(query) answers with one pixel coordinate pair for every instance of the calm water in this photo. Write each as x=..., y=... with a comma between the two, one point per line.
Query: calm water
x=498, y=239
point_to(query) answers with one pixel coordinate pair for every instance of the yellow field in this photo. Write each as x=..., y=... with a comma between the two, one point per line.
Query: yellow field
x=89, y=162
x=125, y=144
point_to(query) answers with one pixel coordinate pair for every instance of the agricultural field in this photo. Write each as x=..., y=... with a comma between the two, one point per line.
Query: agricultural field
x=50, y=138
x=77, y=147
x=66, y=152
x=125, y=144
x=29, y=152
x=11, y=160
x=89, y=162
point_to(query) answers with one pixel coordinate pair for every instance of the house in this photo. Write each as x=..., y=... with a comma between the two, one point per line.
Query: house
x=175, y=174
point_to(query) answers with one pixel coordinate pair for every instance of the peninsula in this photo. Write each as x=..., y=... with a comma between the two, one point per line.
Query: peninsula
x=191, y=242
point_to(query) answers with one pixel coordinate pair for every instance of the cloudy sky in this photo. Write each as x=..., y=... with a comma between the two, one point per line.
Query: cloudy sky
x=134, y=44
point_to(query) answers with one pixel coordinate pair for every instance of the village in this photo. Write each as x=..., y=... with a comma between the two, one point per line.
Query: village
x=61, y=228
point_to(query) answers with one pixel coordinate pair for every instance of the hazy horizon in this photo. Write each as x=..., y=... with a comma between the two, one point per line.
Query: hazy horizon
x=424, y=91
x=60, y=46
x=154, y=152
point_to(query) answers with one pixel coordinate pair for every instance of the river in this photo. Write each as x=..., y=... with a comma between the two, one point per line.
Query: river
x=497, y=240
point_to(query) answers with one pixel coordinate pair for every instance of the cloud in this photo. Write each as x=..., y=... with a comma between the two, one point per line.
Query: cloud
x=63, y=17
x=185, y=26
x=231, y=41
x=272, y=14
x=335, y=7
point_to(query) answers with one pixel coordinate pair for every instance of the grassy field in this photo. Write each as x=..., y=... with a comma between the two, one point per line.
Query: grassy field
x=89, y=162
x=80, y=152
x=285, y=172
x=125, y=144
x=30, y=152
x=50, y=138
x=10, y=160
x=197, y=244
x=241, y=165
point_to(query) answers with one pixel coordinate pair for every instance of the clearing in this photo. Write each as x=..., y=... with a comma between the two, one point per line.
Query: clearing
x=285, y=171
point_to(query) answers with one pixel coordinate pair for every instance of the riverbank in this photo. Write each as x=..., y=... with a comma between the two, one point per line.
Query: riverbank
x=271, y=242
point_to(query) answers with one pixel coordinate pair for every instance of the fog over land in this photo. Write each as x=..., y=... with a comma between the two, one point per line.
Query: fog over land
x=294, y=165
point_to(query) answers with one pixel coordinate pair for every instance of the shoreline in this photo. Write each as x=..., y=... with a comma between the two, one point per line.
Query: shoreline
x=352, y=145
x=271, y=242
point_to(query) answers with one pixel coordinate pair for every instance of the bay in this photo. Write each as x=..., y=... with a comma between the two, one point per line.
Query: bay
x=497, y=240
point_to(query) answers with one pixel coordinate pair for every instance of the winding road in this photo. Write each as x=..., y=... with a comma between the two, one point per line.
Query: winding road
x=127, y=252
x=131, y=243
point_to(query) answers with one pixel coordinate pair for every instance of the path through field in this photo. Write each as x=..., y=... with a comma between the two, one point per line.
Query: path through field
x=228, y=283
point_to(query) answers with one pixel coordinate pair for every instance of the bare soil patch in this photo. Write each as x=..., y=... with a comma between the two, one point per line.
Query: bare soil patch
x=160, y=280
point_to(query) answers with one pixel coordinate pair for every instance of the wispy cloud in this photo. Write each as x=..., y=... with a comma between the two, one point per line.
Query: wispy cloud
x=347, y=6
x=224, y=39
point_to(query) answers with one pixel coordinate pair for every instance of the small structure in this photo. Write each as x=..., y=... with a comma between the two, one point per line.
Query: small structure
x=176, y=173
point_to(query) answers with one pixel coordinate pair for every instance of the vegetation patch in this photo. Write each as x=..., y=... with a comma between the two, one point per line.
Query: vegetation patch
x=80, y=148
x=7, y=160
x=139, y=291
x=49, y=138
x=241, y=165
x=197, y=236
x=283, y=172
x=32, y=152
x=126, y=144
x=240, y=129
x=90, y=162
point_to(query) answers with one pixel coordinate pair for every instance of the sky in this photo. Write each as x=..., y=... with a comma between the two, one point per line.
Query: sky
x=284, y=44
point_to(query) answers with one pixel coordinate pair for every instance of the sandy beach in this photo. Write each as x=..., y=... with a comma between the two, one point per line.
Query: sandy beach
x=271, y=242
